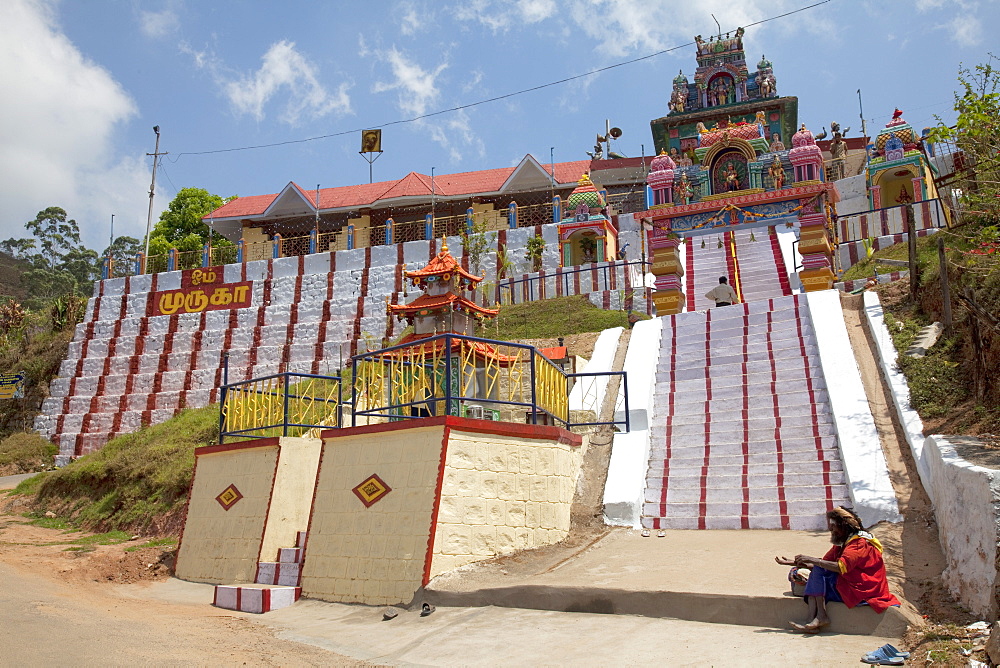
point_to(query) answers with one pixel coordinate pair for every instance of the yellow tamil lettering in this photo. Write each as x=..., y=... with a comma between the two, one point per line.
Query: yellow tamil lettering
x=240, y=293
x=195, y=301
x=196, y=277
x=222, y=297
x=171, y=302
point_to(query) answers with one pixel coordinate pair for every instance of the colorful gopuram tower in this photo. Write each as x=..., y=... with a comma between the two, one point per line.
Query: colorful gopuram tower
x=723, y=165
x=898, y=171
x=586, y=233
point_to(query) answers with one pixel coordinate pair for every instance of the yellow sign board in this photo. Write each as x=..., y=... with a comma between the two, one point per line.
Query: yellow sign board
x=11, y=385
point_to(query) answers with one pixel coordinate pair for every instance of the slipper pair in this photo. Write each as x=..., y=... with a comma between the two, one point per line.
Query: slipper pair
x=886, y=655
x=661, y=534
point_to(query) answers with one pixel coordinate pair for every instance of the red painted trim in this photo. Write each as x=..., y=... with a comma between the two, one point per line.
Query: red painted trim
x=817, y=439
x=362, y=293
x=215, y=593
x=240, y=445
x=429, y=557
x=669, y=428
x=689, y=273
x=703, y=501
x=239, y=599
x=516, y=429
x=745, y=478
x=779, y=455
x=797, y=192
x=779, y=261
x=312, y=511
x=265, y=600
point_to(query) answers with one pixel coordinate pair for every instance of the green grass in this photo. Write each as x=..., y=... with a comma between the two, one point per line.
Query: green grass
x=550, y=318
x=134, y=481
x=25, y=453
x=156, y=542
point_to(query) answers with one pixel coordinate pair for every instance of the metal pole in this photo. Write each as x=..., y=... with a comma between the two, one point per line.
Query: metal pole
x=152, y=187
x=112, y=240
x=945, y=287
x=864, y=128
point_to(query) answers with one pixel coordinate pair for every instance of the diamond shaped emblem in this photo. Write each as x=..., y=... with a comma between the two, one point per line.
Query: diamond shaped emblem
x=371, y=490
x=229, y=497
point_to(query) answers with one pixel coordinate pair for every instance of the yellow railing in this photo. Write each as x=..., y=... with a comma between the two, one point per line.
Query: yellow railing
x=283, y=405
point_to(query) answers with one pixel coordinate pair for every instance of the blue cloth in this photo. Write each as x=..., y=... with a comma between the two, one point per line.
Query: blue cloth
x=823, y=583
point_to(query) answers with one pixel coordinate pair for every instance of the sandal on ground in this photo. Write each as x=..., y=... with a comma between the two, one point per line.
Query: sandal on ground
x=645, y=533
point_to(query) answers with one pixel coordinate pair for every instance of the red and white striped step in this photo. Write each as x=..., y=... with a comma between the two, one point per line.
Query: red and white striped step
x=256, y=598
x=743, y=433
x=276, y=584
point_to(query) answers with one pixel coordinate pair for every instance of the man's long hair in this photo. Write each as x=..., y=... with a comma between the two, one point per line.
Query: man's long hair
x=847, y=521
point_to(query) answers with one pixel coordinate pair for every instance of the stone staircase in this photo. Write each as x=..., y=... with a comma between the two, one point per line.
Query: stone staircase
x=757, y=271
x=275, y=586
x=742, y=428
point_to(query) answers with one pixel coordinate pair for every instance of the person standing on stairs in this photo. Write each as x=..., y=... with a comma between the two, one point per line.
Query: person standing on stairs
x=722, y=294
x=851, y=572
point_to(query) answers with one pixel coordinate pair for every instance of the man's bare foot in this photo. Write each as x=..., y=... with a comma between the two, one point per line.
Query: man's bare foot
x=812, y=627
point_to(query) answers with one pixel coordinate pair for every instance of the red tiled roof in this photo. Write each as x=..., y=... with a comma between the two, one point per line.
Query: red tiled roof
x=411, y=185
x=443, y=263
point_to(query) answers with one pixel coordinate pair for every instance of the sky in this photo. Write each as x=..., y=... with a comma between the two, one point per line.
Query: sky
x=84, y=82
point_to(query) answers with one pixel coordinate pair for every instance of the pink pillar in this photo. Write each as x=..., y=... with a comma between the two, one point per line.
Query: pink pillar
x=876, y=197
x=918, y=188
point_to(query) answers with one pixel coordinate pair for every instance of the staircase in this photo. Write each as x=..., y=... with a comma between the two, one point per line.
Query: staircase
x=742, y=429
x=275, y=586
x=756, y=269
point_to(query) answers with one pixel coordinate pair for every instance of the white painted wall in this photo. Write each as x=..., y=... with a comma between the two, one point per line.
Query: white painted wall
x=630, y=451
x=967, y=509
x=588, y=393
x=913, y=427
x=864, y=462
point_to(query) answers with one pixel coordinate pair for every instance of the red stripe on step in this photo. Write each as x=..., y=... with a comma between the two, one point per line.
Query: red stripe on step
x=668, y=430
x=745, y=514
x=828, y=488
x=239, y=598
x=689, y=270
x=779, y=262
x=780, y=478
x=360, y=310
x=703, y=503
x=265, y=599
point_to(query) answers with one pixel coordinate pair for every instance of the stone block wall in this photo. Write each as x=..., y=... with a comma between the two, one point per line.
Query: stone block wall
x=128, y=366
x=502, y=493
x=220, y=545
x=373, y=554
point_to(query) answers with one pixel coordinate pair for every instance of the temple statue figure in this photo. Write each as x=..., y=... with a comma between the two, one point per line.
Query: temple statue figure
x=732, y=178
x=777, y=173
x=776, y=144
x=838, y=153
x=684, y=160
x=682, y=190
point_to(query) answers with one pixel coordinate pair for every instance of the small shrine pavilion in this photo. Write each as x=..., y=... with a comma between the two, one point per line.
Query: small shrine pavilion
x=898, y=171
x=442, y=308
x=587, y=234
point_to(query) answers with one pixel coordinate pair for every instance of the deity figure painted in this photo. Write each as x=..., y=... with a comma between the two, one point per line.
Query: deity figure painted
x=776, y=144
x=678, y=100
x=777, y=173
x=732, y=178
x=685, y=160
x=682, y=190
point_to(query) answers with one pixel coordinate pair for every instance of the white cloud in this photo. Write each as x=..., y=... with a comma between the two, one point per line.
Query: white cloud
x=417, y=87
x=57, y=141
x=966, y=29
x=157, y=25
x=284, y=70
x=411, y=18
x=623, y=27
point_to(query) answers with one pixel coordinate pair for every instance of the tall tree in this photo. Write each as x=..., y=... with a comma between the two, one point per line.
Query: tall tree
x=57, y=235
x=181, y=225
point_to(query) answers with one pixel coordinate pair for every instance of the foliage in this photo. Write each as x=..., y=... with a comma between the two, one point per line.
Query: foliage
x=533, y=251
x=122, y=252
x=977, y=134
x=476, y=243
x=66, y=312
x=504, y=263
x=11, y=317
x=25, y=453
x=182, y=227
x=136, y=480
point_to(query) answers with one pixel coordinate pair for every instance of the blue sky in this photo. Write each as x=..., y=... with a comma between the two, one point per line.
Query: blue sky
x=85, y=81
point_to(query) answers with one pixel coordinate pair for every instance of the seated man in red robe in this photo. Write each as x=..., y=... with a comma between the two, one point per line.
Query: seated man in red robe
x=852, y=572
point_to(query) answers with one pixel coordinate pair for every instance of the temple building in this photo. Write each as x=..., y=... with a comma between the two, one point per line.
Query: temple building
x=898, y=172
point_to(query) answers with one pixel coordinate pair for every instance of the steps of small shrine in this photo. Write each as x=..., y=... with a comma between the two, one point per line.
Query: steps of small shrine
x=255, y=598
x=275, y=585
x=742, y=431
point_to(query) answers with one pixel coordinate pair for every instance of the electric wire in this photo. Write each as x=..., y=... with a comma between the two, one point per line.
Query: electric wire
x=496, y=98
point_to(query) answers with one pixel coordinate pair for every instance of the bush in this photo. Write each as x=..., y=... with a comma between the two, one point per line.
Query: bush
x=25, y=453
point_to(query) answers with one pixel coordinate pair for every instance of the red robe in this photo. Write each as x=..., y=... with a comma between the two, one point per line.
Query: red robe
x=862, y=573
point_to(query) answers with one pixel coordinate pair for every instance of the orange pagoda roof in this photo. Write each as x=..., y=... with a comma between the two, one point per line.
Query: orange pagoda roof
x=428, y=304
x=444, y=265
